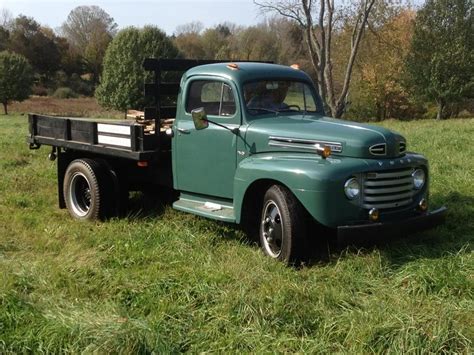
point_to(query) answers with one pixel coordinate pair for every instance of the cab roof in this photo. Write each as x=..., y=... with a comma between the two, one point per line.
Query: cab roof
x=248, y=71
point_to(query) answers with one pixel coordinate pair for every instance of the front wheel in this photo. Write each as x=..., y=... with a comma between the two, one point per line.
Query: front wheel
x=283, y=226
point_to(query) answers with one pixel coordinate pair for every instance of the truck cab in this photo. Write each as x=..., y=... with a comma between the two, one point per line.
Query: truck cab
x=250, y=144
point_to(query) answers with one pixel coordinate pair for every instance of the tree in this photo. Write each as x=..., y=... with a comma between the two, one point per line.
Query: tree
x=4, y=38
x=191, y=27
x=319, y=24
x=441, y=62
x=216, y=41
x=378, y=91
x=36, y=43
x=256, y=43
x=188, y=40
x=6, y=18
x=290, y=42
x=16, y=78
x=122, y=80
x=89, y=30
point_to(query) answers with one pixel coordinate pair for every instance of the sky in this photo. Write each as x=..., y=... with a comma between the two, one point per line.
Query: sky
x=166, y=14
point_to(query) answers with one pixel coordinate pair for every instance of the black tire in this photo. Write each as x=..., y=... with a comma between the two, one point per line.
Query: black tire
x=283, y=226
x=86, y=190
x=117, y=191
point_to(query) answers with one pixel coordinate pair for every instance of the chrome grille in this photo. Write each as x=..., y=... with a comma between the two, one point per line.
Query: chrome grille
x=402, y=147
x=378, y=149
x=388, y=189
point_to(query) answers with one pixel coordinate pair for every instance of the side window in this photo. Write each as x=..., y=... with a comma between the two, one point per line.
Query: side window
x=211, y=92
x=216, y=97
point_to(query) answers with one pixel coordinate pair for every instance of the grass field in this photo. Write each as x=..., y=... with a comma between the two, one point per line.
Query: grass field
x=80, y=107
x=164, y=281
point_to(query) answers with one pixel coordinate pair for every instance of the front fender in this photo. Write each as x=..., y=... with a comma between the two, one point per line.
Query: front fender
x=319, y=183
x=309, y=177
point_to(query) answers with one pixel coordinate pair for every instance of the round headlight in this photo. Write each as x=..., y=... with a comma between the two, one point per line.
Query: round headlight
x=419, y=178
x=352, y=188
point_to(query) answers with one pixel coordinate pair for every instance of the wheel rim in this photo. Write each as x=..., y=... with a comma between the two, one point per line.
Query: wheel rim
x=271, y=229
x=80, y=194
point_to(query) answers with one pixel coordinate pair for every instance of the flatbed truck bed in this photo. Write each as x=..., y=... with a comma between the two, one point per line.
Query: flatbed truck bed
x=118, y=138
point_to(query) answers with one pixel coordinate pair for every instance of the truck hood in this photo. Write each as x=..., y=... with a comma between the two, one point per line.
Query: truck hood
x=300, y=133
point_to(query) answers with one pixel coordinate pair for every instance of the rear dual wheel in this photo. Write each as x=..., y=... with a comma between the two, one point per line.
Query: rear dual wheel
x=87, y=190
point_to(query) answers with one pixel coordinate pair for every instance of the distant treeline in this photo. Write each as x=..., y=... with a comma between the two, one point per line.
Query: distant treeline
x=371, y=60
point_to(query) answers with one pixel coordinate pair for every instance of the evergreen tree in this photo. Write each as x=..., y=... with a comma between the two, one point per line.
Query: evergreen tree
x=16, y=78
x=123, y=76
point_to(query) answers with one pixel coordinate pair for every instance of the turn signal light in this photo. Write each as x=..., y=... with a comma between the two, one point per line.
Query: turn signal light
x=295, y=66
x=324, y=152
x=142, y=164
x=423, y=205
x=374, y=214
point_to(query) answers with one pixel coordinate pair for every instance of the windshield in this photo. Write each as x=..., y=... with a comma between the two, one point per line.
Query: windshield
x=277, y=96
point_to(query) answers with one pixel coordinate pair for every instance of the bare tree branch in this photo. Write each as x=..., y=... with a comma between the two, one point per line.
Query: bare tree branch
x=319, y=40
x=285, y=11
x=362, y=21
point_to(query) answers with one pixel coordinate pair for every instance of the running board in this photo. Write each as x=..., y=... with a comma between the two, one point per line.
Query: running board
x=206, y=207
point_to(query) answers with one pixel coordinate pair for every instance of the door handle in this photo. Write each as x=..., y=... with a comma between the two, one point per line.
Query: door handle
x=184, y=131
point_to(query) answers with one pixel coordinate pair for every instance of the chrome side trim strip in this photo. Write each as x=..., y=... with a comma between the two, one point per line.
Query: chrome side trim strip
x=289, y=142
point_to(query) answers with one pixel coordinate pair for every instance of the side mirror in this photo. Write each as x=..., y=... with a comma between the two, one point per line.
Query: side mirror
x=200, y=118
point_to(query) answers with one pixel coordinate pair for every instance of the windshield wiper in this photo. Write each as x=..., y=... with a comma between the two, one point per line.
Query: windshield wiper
x=287, y=110
x=263, y=109
x=303, y=112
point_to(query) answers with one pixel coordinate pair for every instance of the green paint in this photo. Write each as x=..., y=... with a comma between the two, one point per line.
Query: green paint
x=215, y=162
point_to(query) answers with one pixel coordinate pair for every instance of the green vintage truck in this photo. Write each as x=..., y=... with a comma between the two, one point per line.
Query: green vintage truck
x=244, y=143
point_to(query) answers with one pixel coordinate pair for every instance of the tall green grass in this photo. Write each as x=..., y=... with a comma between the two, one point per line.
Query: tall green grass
x=164, y=281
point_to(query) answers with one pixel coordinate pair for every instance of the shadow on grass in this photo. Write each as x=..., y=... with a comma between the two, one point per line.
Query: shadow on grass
x=153, y=203
x=450, y=238
x=455, y=236
x=148, y=204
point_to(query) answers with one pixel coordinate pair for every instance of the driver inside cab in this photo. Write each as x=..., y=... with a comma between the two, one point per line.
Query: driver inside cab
x=267, y=95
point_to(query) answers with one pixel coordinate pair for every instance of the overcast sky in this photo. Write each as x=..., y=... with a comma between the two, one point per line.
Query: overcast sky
x=166, y=14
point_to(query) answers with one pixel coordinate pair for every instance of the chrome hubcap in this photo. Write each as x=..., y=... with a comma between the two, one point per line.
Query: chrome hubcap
x=80, y=194
x=271, y=229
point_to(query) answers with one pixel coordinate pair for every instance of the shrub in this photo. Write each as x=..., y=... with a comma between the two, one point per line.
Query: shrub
x=40, y=90
x=64, y=93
